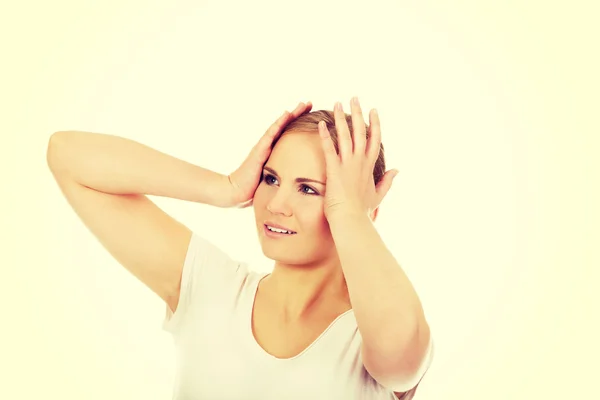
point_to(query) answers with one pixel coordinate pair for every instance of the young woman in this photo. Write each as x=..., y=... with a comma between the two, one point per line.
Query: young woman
x=336, y=318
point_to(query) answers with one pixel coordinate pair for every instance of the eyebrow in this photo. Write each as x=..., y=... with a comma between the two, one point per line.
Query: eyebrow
x=299, y=180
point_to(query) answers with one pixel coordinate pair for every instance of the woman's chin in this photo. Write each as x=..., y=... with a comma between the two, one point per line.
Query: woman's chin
x=281, y=255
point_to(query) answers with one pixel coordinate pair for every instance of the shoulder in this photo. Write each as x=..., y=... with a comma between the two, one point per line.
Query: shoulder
x=209, y=276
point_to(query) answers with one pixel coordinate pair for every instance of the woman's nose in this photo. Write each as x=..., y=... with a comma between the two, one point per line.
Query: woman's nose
x=279, y=204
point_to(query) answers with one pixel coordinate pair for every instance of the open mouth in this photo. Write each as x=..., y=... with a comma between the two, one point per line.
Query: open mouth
x=277, y=231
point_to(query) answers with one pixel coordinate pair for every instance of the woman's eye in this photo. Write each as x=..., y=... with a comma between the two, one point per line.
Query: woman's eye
x=272, y=180
x=305, y=188
x=268, y=179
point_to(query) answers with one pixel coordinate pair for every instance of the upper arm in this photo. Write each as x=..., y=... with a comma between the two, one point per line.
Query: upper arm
x=144, y=239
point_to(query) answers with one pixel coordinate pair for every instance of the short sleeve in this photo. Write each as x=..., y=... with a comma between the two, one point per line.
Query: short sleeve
x=205, y=266
x=411, y=386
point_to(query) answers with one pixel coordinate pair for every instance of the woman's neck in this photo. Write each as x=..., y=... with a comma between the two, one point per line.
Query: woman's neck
x=297, y=293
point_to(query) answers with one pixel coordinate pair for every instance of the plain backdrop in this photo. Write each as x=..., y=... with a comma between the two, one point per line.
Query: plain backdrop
x=488, y=109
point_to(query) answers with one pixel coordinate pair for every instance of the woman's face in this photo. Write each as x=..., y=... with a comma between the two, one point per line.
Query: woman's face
x=291, y=194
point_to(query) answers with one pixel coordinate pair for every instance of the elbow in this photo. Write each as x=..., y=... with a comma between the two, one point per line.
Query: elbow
x=54, y=150
x=400, y=367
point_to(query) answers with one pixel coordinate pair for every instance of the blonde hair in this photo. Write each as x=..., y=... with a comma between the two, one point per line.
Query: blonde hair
x=309, y=123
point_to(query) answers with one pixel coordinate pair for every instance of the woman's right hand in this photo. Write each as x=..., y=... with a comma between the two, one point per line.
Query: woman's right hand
x=246, y=178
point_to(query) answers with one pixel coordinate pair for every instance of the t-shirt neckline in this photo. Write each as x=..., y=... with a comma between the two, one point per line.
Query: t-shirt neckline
x=249, y=333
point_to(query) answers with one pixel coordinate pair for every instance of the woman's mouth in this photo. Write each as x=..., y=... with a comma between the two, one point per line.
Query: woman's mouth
x=277, y=232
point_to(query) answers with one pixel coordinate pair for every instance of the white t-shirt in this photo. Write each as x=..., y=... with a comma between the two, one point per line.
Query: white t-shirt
x=218, y=358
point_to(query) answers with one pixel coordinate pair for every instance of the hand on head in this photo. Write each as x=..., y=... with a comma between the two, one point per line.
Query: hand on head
x=246, y=178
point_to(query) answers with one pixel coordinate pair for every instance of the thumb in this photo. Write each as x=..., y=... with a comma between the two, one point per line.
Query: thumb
x=245, y=204
x=386, y=182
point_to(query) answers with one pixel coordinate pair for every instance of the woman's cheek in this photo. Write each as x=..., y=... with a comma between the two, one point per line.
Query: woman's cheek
x=259, y=194
x=315, y=216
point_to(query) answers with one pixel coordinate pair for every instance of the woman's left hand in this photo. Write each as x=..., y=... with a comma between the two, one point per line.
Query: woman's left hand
x=350, y=185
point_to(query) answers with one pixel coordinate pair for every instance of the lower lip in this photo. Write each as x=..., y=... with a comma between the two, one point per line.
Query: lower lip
x=272, y=234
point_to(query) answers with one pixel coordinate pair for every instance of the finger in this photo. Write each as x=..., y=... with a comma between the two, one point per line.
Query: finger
x=262, y=148
x=286, y=118
x=331, y=157
x=344, y=138
x=359, y=132
x=297, y=111
x=308, y=107
x=246, y=204
x=385, y=184
x=374, y=142
x=302, y=108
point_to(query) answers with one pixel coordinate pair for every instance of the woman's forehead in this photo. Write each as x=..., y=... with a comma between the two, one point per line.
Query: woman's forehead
x=298, y=153
x=298, y=144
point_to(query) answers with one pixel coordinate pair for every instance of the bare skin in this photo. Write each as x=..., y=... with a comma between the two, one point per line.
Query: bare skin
x=306, y=290
x=108, y=190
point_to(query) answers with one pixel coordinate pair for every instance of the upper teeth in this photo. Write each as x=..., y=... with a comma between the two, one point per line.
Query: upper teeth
x=277, y=229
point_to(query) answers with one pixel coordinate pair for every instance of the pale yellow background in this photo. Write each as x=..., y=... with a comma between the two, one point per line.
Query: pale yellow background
x=488, y=108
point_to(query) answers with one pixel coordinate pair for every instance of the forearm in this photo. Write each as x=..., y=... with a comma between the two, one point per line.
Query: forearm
x=118, y=165
x=387, y=308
